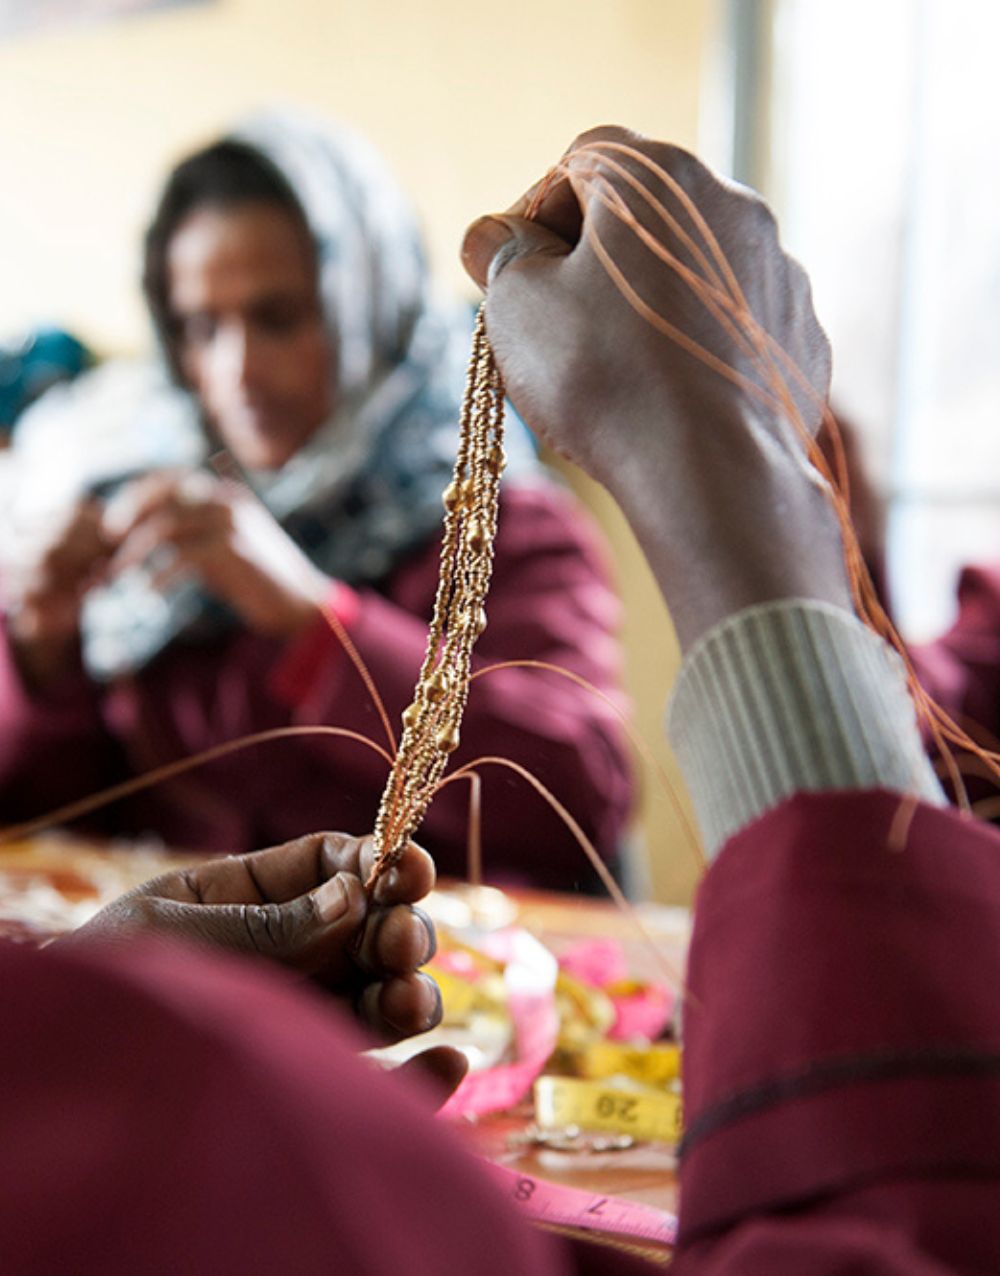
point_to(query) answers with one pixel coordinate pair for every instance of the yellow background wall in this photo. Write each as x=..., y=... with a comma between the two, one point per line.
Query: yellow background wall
x=469, y=102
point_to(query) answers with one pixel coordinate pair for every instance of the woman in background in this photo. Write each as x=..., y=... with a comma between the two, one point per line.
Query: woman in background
x=177, y=599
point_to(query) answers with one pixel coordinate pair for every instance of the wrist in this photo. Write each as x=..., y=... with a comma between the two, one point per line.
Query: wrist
x=730, y=519
x=302, y=606
x=325, y=595
x=42, y=660
x=308, y=656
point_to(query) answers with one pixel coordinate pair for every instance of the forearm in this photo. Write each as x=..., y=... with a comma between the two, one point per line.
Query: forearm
x=737, y=518
x=783, y=689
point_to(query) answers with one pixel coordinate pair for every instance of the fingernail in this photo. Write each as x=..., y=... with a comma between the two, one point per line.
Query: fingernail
x=330, y=900
x=436, y=1013
x=368, y=1004
x=483, y=240
x=430, y=1019
x=387, y=885
x=432, y=942
x=373, y=1009
x=493, y=233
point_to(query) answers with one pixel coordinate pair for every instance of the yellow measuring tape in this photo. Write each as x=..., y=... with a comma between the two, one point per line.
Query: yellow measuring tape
x=655, y=1065
x=654, y=1116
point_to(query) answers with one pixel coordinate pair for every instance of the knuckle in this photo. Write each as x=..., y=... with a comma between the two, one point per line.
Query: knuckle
x=763, y=212
x=343, y=852
x=801, y=288
x=139, y=911
x=265, y=926
x=758, y=217
x=679, y=162
x=600, y=133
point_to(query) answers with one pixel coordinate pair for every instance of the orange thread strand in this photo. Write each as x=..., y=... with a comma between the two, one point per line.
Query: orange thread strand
x=641, y=746
x=588, y=848
x=345, y=640
x=84, y=806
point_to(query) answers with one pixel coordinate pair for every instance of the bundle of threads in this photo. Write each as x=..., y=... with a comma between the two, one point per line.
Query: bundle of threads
x=431, y=723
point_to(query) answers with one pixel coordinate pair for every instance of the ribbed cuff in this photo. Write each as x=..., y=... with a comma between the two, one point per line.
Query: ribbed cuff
x=788, y=696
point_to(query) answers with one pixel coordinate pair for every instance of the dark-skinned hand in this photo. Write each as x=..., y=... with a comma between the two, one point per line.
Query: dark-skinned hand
x=45, y=581
x=195, y=524
x=714, y=482
x=304, y=906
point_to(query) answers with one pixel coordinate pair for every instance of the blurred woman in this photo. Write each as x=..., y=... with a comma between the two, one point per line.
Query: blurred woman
x=175, y=599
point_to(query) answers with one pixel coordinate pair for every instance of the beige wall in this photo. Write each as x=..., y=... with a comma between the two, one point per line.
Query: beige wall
x=469, y=102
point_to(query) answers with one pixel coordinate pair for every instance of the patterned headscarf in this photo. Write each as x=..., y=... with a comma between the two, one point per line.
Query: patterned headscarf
x=366, y=487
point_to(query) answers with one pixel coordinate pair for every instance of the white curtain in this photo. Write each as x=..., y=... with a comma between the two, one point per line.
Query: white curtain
x=883, y=123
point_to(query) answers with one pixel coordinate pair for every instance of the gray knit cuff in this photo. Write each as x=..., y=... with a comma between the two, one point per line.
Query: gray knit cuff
x=786, y=696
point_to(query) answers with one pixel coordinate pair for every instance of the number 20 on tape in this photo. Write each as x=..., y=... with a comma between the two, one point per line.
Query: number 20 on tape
x=649, y=1115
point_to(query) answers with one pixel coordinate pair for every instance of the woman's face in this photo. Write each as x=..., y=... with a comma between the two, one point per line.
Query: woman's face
x=253, y=346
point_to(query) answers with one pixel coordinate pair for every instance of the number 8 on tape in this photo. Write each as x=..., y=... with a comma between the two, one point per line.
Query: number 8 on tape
x=571, y=1207
x=650, y=1115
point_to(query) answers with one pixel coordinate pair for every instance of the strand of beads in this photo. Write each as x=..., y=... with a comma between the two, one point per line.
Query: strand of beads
x=431, y=723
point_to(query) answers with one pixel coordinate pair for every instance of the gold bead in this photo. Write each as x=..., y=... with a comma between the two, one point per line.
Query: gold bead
x=437, y=686
x=447, y=739
x=468, y=493
x=496, y=461
x=474, y=620
x=476, y=536
x=411, y=715
x=452, y=496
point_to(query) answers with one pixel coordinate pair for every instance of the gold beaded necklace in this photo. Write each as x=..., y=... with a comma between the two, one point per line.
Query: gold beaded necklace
x=431, y=723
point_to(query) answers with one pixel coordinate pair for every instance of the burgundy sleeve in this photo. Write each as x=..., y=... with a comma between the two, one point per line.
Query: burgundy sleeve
x=842, y=1059
x=550, y=600
x=53, y=747
x=961, y=669
x=166, y=1111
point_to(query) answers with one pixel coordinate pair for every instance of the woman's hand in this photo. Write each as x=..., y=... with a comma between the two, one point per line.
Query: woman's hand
x=45, y=580
x=302, y=905
x=217, y=531
x=714, y=481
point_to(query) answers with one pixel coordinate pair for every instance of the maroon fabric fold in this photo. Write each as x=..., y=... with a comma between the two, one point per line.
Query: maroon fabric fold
x=843, y=1034
x=164, y=1112
x=961, y=669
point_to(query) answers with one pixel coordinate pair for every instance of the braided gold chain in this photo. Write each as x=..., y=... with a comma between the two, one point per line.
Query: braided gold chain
x=431, y=723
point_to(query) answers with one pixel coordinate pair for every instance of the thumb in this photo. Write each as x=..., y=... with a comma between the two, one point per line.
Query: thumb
x=493, y=242
x=307, y=934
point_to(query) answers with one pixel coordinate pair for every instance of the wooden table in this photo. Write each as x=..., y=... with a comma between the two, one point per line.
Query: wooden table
x=50, y=885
